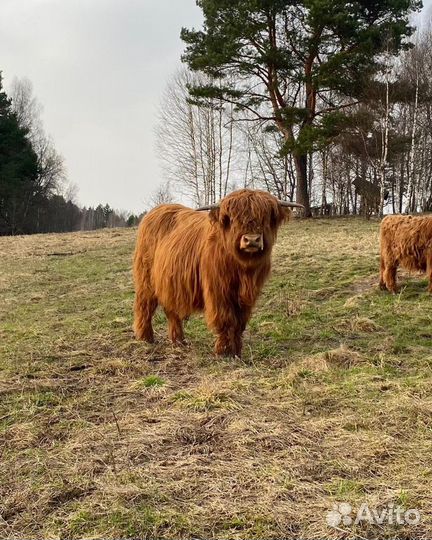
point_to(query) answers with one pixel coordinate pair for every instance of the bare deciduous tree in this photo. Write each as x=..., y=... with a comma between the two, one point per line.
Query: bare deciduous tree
x=195, y=144
x=52, y=171
x=162, y=195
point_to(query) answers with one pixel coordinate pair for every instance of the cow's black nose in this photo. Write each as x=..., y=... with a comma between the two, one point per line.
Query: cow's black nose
x=251, y=241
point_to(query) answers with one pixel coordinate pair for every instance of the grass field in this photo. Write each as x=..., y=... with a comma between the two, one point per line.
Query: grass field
x=102, y=436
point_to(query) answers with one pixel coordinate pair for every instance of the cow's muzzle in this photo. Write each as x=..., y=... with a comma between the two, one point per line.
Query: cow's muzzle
x=251, y=243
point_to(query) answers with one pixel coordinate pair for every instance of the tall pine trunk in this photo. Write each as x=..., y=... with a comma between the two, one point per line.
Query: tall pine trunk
x=302, y=192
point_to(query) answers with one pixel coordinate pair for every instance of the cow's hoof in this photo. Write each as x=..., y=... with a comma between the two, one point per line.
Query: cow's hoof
x=179, y=342
x=227, y=353
x=224, y=351
x=144, y=336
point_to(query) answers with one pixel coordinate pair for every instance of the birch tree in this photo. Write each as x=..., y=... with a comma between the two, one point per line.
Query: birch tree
x=195, y=144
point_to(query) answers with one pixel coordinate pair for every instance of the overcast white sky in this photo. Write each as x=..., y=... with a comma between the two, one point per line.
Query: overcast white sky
x=99, y=67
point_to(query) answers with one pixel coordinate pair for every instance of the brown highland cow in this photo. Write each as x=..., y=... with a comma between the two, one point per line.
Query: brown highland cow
x=187, y=260
x=405, y=241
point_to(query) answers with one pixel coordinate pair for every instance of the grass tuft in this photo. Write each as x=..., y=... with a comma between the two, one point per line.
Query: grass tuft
x=151, y=381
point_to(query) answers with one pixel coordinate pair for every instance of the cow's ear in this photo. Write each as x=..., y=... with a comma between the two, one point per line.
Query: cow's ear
x=280, y=214
x=214, y=215
x=285, y=214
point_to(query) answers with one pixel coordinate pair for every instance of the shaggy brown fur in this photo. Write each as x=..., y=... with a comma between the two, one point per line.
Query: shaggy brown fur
x=188, y=261
x=405, y=241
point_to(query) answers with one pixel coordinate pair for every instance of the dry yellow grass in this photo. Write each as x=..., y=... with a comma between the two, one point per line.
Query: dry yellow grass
x=105, y=437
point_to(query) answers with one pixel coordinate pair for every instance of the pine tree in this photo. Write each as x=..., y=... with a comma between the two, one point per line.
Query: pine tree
x=297, y=64
x=18, y=170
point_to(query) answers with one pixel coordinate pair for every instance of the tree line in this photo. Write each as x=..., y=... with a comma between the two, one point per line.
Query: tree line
x=34, y=194
x=324, y=102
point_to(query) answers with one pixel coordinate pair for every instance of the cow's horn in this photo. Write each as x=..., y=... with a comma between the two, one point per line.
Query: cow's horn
x=209, y=207
x=290, y=204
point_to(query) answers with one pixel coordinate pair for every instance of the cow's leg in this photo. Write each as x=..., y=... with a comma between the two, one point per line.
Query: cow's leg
x=175, y=327
x=224, y=317
x=389, y=275
x=225, y=326
x=144, y=308
x=429, y=269
x=229, y=341
x=382, y=284
x=238, y=334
